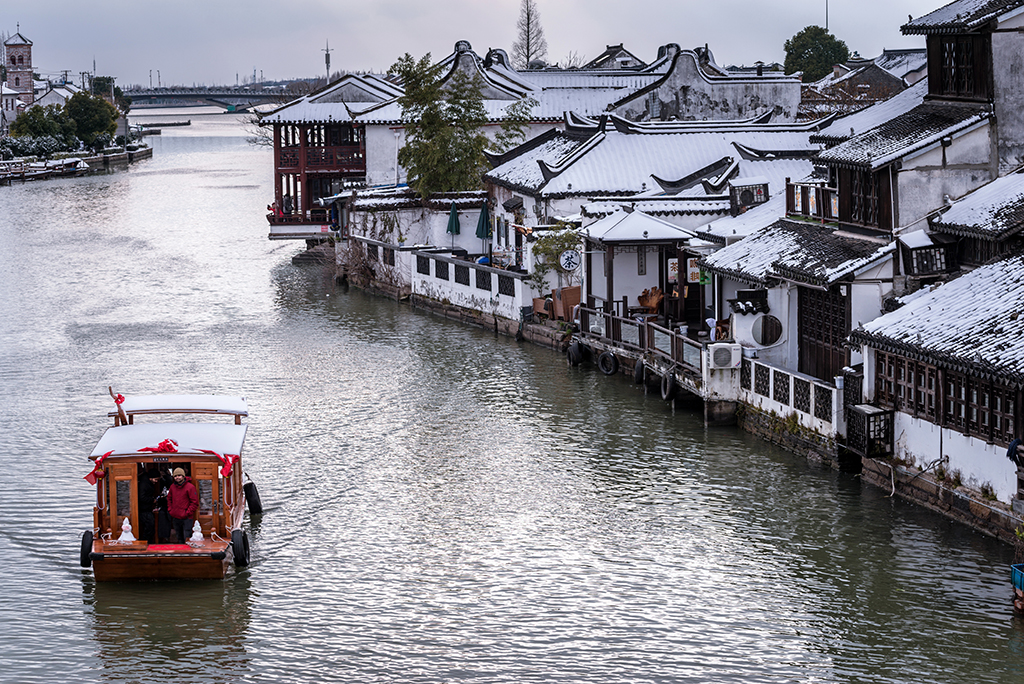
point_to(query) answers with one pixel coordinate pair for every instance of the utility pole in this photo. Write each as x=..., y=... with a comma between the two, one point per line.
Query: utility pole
x=327, y=59
x=150, y=79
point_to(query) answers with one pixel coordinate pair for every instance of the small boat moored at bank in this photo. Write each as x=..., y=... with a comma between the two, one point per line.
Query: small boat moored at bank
x=132, y=465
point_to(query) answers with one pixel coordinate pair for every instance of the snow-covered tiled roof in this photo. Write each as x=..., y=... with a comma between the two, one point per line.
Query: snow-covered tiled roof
x=17, y=39
x=960, y=16
x=615, y=163
x=916, y=129
x=522, y=172
x=975, y=323
x=752, y=220
x=899, y=63
x=666, y=205
x=798, y=251
x=846, y=127
x=993, y=211
x=634, y=227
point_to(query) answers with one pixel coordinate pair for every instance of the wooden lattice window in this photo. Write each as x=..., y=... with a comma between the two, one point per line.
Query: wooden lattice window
x=441, y=270
x=958, y=66
x=745, y=374
x=389, y=256
x=461, y=274
x=955, y=409
x=506, y=286
x=373, y=255
x=864, y=198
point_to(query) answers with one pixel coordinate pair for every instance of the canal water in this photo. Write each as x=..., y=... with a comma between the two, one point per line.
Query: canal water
x=442, y=505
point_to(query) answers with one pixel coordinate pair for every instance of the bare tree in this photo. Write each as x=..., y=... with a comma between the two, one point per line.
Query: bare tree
x=530, y=44
x=573, y=60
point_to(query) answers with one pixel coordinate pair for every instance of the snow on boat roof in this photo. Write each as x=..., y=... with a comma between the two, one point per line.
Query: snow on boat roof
x=224, y=438
x=185, y=403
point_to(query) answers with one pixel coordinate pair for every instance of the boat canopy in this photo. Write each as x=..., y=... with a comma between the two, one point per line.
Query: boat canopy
x=184, y=403
x=190, y=437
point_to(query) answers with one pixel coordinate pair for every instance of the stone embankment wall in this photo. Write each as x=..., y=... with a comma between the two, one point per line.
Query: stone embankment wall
x=954, y=501
x=791, y=436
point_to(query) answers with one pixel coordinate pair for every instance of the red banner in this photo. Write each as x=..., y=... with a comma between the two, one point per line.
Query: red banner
x=97, y=470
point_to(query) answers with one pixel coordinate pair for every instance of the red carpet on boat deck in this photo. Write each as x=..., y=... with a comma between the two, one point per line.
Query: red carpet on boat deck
x=169, y=547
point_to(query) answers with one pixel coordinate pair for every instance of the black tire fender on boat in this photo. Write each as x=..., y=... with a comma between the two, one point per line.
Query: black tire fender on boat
x=240, y=548
x=668, y=386
x=86, y=558
x=573, y=354
x=638, y=372
x=608, y=364
x=252, y=498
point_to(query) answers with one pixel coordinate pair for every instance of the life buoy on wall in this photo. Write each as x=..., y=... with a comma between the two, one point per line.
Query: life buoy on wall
x=608, y=364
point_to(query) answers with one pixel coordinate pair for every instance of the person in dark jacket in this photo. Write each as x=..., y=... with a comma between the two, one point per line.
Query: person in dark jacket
x=182, y=504
x=150, y=489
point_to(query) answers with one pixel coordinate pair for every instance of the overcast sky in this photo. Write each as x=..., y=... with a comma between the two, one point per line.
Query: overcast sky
x=219, y=41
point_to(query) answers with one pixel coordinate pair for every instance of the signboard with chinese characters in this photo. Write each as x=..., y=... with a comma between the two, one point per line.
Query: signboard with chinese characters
x=673, y=270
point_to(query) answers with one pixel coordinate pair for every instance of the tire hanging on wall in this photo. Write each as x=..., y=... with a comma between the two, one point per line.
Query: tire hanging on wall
x=574, y=355
x=608, y=364
x=638, y=372
x=86, y=558
x=668, y=386
x=252, y=498
x=240, y=548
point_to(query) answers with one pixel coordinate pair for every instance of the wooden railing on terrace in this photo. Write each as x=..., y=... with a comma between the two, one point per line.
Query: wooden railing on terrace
x=641, y=335
x=342, y=158
x=812, y=200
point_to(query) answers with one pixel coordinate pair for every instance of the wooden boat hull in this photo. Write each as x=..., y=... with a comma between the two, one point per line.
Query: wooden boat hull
x=112, y=564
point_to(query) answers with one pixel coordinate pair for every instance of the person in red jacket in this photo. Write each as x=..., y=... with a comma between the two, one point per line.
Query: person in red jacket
x=182, y=504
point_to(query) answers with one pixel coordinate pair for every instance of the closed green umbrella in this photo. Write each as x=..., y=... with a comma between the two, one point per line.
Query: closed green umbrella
x=453, y=224
x=483, y=226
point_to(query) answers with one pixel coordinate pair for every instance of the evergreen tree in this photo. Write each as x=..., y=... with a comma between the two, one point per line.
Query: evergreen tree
x=39, y=122
x=814, y=51
x=444, y=143
x=93, y=117
x=529, y=44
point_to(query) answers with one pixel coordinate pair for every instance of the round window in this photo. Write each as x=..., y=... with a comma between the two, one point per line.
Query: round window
x=767, y=330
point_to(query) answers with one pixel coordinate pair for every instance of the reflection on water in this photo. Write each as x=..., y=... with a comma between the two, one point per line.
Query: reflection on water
x=172, y=631
x=441, y=504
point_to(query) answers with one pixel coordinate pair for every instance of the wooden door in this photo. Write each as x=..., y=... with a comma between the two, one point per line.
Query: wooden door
x=123, y=497
x=205, y=479
x=823, y=327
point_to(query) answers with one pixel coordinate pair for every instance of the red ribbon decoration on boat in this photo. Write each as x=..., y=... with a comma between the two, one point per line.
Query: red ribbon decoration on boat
x=97, y=470
x=168, y=446
x=228, y=460
x=119, y=399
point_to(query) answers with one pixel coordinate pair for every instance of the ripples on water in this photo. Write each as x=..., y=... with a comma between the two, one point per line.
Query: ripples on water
x=441, y=504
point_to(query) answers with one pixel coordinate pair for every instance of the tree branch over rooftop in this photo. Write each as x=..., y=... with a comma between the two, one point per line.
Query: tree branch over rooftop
x=530, y=44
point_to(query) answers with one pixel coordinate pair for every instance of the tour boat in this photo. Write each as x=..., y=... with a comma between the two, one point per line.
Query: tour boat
x=209, y=453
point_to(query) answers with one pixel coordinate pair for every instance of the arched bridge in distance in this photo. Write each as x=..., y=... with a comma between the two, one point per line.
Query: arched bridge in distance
x=232, y=99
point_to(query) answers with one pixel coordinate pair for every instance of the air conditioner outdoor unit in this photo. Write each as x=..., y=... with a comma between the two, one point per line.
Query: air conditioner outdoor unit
x=725, y=355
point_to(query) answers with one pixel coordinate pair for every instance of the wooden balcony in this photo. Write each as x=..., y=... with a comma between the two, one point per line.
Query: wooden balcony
x=812, y=200
x=341, y=159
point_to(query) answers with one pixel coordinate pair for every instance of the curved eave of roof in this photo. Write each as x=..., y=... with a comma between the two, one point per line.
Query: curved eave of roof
x=937, y=358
